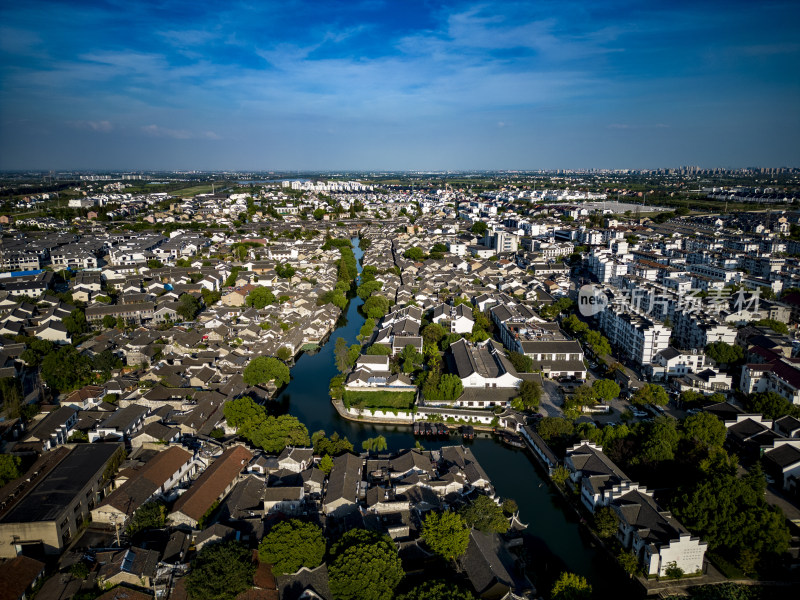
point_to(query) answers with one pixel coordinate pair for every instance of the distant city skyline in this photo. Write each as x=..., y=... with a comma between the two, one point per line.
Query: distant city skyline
x=373, y=85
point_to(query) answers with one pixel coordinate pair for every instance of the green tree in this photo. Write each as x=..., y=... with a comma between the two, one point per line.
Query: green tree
x=558, y=307
x=283, y=353
x=244, y=410
x=730, y=513
x=151, y=515
x=478, y=335
x=9, y=468
x=704, y=428
x=11, y=396
x=650, y=393
x=263, y=369
x=552, y=428
x=605, y=389
x=376, y=306
x=275, y=433
x=270, y=433
x=105, y=362
x=231, y=279
x=442, y=387
x=725, y=354
x=673, y=571
x=530, y=393
x=292, y=545
x=628, y=561
x=570, y=586
x=75, y=323
x=366, y=329
x=364, y=566
x=509, y=506
x=221, y=571
x=660, y=441
x=447, y=534
x=335, y=297
x=520, y=362
x=776, y=326
x=485, y=515
x=345, y=356
x=573, y=325
x=188, y=307
x=433, y=333
x=66, y=369
x=479, y=228
x=334, y=446
x=326, y=464
x=598, y=342
x=410, y=359
x=770, y=404
x=692, y=397
x=449, y=339
x=366, y=289
x=437, y=590
x=260, y=297
x=376, y=444
x=319, y=213
x=284, y=271
x=414, y=253
x=583, y=396
x=78, y=437
x=369, y=272
x=109, y=321
x=606, y=522
x=560, y=475
x=379, y=350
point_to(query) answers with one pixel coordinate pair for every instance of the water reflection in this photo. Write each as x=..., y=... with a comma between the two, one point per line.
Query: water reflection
x=553, y=537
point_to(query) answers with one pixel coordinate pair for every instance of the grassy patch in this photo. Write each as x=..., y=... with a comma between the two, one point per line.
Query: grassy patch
x=205, y=188
x=379, y=399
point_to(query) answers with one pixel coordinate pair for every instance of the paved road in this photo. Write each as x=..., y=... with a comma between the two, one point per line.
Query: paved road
x=552, y=399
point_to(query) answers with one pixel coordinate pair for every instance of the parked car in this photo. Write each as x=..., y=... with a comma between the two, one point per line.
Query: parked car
x=638, y=413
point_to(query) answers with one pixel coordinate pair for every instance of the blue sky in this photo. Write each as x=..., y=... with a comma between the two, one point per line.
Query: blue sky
x=404, y=84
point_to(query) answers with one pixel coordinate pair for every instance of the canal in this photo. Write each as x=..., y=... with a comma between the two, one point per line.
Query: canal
x=553, y=533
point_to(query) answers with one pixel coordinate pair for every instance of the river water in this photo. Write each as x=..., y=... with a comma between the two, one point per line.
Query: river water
x=553, y=531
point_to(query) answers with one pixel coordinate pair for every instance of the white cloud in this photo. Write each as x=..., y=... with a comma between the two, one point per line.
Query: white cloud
x=99, y=126
x=179, y=134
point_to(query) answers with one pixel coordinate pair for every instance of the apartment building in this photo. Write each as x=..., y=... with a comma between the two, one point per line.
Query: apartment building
x=636, y=337
x=697, y=329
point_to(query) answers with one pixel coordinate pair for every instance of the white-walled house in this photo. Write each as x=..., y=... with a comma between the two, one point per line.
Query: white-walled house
x=483, y=366
x=783, y=463
x=672, y=362
x=652, y=534
x=781, y=376
x=456, y=319
x=373, y=364
x=296, y=459
x=657, y=539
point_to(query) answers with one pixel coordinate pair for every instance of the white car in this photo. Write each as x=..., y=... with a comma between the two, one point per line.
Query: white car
x=639, y=413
